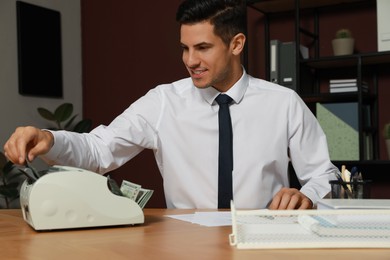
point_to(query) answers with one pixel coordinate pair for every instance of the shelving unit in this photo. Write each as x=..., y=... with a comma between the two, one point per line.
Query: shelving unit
x=362, y=66
x=277, y=6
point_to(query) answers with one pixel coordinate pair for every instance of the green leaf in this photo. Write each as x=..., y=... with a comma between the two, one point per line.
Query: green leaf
x=10, y=180
x=69, y=123
x=63, y=112
x=9, y=167
x=46, y=114
x=11, y=174
x=3, y=161
x=14, y=176
x=83, y=126
x=386, y=131
x=10, y=191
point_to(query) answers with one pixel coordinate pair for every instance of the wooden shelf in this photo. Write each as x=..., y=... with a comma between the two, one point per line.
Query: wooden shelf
x=277, y=6
x=334, y=97
x=348, y=60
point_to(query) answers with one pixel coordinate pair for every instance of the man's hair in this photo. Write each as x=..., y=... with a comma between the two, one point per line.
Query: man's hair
x=227, y=16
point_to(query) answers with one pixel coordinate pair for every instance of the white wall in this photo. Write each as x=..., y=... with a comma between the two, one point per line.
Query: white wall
x=17, y=110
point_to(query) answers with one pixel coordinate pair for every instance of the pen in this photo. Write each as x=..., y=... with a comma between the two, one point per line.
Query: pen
x=354, y=174
x=354, y=181
x=341, y=181
x=347, y=179
x=343, y=172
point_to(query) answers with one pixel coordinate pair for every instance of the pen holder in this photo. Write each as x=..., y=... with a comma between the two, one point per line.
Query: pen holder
x=350, y=190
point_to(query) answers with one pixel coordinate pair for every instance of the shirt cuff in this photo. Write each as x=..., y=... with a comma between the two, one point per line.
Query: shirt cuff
x=54, y=152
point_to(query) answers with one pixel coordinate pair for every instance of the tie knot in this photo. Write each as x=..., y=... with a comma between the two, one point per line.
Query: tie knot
x=223, y=99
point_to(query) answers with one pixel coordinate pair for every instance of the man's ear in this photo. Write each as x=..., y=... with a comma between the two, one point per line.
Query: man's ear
x=237, y=44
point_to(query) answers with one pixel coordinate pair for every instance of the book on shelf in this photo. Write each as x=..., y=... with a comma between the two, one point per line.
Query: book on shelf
x=346, y=85
x=343, y=81
x=340, y=85
x=346, y=89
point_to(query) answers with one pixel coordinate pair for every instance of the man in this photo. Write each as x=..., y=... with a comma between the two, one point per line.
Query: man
x=271, y=125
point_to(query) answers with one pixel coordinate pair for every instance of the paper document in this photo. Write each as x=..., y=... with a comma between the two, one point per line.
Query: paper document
x=209, y=219
x=353, y=204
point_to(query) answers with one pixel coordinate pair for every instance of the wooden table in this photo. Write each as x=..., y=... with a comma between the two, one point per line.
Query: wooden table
x=159, y=237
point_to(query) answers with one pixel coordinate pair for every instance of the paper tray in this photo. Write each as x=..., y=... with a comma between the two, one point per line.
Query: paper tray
x=267, y=229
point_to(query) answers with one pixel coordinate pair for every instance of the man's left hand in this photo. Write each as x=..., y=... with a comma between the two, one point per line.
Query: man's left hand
x=290, y=198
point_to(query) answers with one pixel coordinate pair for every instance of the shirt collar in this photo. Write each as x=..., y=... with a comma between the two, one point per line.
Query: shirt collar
x=236, y=92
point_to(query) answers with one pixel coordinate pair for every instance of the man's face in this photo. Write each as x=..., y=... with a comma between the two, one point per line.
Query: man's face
x=206, y=56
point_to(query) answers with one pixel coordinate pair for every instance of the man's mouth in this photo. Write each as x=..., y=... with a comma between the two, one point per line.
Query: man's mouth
x=198, y=73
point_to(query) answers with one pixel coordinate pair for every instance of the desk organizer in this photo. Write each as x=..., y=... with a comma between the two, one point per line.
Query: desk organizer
x=269, y=229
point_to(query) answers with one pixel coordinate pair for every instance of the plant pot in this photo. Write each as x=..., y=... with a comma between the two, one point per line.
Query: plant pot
x=343, y=46
x=388, y=148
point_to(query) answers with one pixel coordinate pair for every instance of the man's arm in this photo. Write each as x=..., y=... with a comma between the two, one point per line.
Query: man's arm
x=308, y=151
x=27, y=143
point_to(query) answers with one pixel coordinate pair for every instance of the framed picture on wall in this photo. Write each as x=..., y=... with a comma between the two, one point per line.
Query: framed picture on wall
x=39, y=51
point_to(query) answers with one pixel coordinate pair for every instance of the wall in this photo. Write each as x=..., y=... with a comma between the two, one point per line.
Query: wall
x=17, y=110
x=129, y=47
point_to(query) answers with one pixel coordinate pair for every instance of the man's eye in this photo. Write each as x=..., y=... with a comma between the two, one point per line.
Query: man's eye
x=203, y=48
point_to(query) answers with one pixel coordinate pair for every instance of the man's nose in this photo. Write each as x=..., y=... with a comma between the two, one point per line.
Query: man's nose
x=192, y=59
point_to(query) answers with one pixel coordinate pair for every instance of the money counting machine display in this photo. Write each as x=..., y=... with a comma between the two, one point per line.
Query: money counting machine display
x=68, y=197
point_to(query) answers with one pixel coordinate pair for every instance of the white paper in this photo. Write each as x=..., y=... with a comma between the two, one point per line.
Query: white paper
x=208, y=219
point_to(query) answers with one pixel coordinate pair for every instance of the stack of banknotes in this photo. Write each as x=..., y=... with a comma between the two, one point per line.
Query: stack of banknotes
x=131, y=190
x=136, y=192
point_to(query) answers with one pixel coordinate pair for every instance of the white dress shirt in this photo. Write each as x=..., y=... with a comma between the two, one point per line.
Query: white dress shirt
x=271, y=125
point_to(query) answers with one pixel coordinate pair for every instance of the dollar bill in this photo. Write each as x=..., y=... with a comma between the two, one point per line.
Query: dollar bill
x=130, y=189
x=114, y=186
x=135, y=192
x=143, y=197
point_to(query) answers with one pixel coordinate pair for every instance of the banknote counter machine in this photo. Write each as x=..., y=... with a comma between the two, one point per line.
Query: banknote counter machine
x=67, y=198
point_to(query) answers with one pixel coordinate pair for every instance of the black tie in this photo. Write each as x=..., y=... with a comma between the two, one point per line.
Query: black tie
x=225, y=157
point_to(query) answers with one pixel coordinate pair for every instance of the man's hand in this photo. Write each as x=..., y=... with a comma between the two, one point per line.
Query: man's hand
x=27, y=141
x=289, y=198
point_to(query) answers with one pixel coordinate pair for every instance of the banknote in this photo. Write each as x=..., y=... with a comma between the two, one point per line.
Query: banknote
x=130, y=189
x=114, y=186
x=143, y=197
x=135, y=192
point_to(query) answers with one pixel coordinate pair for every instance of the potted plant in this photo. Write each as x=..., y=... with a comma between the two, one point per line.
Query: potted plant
x=10, y=181
x=386, y=134
x=343, y=43
x=63, y=119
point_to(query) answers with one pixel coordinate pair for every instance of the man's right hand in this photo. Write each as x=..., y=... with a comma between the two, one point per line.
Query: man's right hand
x=27, y=141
